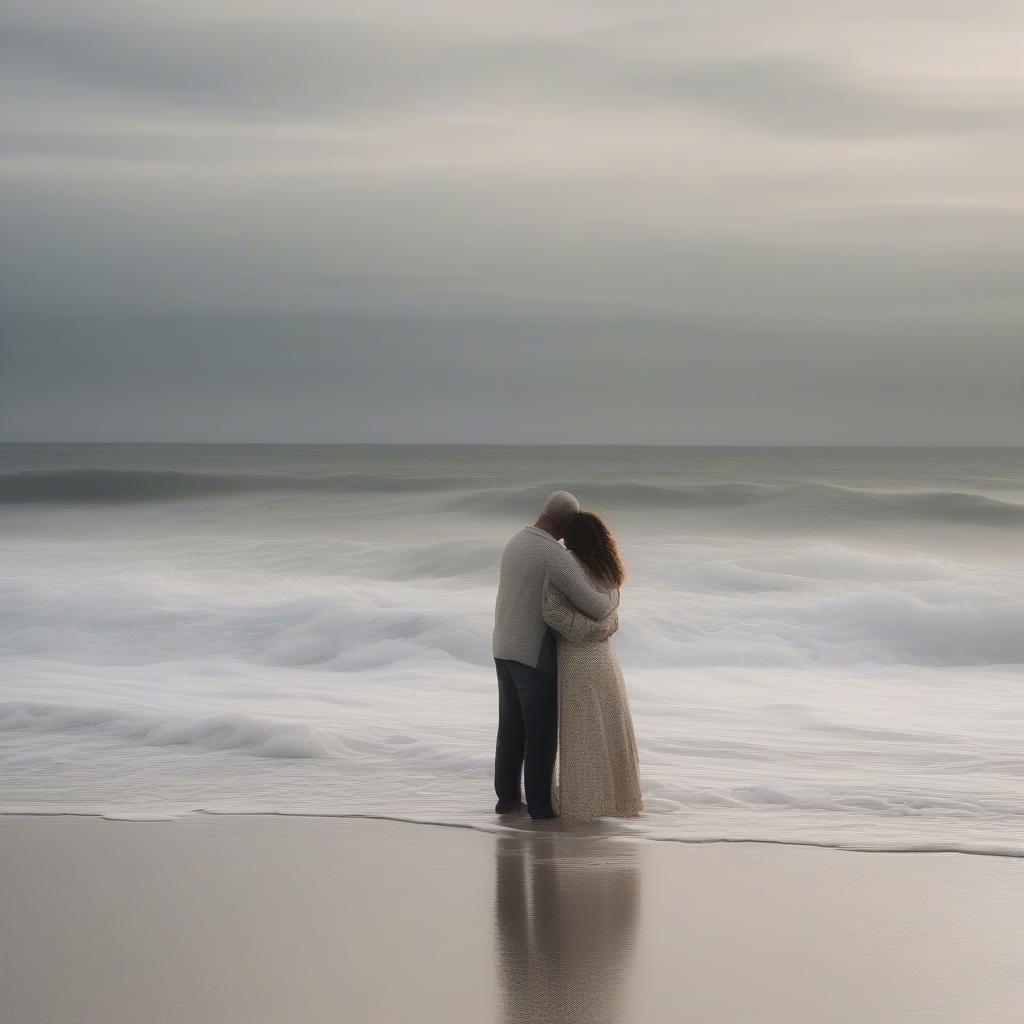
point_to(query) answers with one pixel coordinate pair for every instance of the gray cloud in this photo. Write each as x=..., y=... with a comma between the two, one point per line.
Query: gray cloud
x=256, y=222
x=279, y=69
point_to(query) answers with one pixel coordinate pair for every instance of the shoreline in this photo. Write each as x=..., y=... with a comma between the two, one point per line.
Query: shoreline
x=259, y=918
x=502, y=828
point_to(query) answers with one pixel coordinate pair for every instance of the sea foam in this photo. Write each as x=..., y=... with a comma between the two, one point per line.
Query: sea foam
x=819, y=648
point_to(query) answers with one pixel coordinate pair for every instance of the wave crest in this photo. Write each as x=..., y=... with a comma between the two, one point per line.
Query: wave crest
x=803, y=502
x=240, y=733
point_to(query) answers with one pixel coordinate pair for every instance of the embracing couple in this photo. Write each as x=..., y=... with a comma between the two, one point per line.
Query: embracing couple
x=561, y=694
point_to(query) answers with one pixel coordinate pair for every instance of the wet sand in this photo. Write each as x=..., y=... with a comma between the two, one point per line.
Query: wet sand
x=258, y=919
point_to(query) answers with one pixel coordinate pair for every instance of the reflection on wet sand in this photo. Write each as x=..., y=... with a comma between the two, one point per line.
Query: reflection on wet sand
x=566, y=917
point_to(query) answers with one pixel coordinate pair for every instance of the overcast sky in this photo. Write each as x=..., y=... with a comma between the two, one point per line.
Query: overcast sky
x=797, y=221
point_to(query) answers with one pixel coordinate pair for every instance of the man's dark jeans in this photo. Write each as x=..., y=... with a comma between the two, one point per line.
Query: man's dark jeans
x=527, y=733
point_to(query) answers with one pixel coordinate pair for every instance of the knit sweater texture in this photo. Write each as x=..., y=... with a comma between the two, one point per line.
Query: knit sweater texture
x=530, y=557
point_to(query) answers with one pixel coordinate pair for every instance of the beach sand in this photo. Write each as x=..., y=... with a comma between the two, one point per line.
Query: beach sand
x=225, y=919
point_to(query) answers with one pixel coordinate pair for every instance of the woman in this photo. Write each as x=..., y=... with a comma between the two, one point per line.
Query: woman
x=597, y=766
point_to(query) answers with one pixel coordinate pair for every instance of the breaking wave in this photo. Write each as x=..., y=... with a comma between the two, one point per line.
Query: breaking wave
x=809, y=500
x=241, y=733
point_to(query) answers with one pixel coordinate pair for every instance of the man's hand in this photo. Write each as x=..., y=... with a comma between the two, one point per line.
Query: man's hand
x=606, y=627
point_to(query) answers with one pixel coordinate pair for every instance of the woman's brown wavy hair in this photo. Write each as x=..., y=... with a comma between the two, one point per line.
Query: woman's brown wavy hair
x=590, y=540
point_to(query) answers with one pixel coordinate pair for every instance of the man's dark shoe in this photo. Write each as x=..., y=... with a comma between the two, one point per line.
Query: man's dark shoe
x=542, y=814
x=507, y=806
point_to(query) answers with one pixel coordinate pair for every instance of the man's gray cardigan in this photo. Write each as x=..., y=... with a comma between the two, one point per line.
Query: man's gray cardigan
x=520, y=632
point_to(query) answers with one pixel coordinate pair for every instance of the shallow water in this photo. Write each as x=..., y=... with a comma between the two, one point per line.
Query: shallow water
x=821, y=645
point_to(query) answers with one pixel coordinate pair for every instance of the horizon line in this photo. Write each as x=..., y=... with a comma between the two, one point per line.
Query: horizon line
x=519, y=444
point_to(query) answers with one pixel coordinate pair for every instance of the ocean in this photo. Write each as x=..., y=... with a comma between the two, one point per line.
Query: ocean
x=821, y=645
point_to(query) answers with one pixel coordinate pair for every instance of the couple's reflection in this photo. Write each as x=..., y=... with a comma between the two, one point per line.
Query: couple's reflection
x=566, y=917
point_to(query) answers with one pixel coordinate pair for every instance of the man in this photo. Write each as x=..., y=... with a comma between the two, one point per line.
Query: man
x=524, y=654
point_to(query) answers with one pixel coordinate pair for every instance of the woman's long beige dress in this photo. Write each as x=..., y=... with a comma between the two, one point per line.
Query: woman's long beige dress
x=597, y=767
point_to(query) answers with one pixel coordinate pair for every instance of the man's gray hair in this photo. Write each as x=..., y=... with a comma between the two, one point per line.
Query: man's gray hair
x=561, y=507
